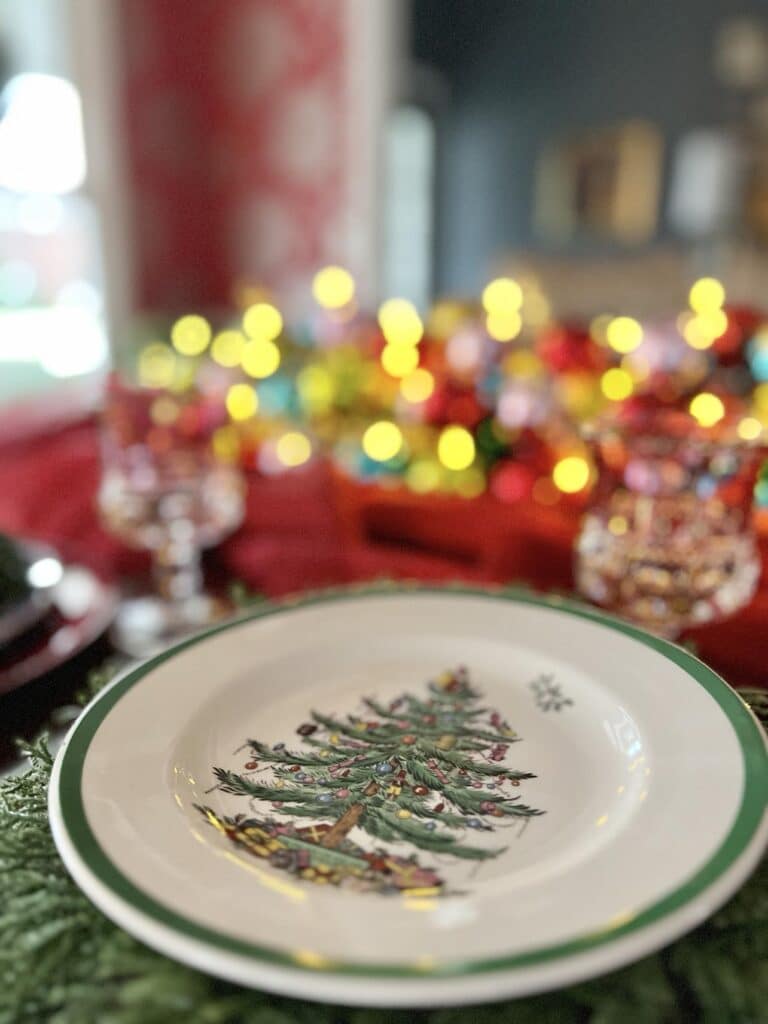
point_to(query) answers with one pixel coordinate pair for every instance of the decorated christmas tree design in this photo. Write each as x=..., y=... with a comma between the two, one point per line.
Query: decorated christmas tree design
x=425, y=772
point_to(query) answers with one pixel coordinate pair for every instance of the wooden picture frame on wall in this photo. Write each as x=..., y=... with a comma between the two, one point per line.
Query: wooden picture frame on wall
x=605, y=184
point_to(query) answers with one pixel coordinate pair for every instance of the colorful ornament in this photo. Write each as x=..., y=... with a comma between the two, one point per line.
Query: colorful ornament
x=403, y=813
x=342, y=793
x=325, y=798
x=302, y=777
x=487, y=806
x=474, y=823
x=383, y=768
x=430, y=825
x=439, y=807
x=420, y=790
x=294, y=768
x=250, y=765
x=306, y=729
x=447, y=742
x=279, y=746
x=409, y=739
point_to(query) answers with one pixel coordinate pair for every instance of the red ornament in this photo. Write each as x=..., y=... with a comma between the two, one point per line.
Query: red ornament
x=487, y=806
x=565, y=348
x=342, y=792
x=515, y=782
x=306, y=729
x=420, y=790
x=511, y=481
x=250, y=765
x=294, y=768
x=428, y=719
x=438, y=808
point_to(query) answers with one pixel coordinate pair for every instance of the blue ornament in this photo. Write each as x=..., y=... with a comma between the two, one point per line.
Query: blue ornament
x=430, y=825
x=383, y=768
x=474, y=823
x=491, y=785
x=324, y=798
x=302, y=777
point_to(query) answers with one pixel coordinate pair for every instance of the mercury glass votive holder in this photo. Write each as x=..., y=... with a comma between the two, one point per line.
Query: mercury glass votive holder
x=667, y=540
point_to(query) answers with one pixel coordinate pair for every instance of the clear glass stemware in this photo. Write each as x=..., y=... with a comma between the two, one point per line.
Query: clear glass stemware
x=164, y=490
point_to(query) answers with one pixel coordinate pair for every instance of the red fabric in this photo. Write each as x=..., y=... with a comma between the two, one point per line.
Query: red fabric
x=235, y=137
x=299, y=534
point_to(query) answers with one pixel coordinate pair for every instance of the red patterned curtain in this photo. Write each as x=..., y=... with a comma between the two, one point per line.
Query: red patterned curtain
x=235, y=144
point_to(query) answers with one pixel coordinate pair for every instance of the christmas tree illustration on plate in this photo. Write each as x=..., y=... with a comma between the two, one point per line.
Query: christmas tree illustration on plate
x=427, y=772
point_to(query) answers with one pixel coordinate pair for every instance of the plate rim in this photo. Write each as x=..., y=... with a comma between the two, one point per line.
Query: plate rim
x=730, y=863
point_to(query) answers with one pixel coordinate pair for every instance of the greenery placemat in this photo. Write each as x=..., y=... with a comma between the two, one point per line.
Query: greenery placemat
x=62, y=961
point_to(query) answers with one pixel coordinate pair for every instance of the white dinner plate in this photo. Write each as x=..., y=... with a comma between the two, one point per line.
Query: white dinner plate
x=413, y=797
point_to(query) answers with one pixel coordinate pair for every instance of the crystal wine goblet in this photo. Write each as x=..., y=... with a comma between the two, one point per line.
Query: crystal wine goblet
x=164, y=489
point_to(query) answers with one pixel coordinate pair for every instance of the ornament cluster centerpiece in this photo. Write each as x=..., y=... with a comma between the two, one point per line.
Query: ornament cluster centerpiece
x=471, y=397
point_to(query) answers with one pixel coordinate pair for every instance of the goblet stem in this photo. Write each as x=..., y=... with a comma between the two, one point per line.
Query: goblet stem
x=177, y=573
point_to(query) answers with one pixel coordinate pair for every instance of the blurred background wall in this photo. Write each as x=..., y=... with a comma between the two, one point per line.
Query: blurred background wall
x=176, y=153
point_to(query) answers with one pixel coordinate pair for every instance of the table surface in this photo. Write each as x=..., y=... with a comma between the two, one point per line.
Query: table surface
x=293, y=539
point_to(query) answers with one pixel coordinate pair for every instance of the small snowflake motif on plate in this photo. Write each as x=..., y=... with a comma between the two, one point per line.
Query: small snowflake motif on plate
x=548, y=694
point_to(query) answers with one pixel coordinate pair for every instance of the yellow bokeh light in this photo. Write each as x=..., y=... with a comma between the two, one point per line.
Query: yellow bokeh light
x=262, y=321
x=503, y=295
x=760, y=397
x=571, y=474
x=227, y=348
x=616, y=384
x=399, y=360
x=260, y=358
x=293, y=448
x=423, y=476
x=333, y=287
x=242, y=401
x=749, y=428
x=504, y=325
x=707, y=409
x=470, y=483
x=523, y=363
x=702, y=330
x=446, y=316
x=706, y=295
x=624, y=334
x=316, y=389
x=456, y=448
x=400, y=322
x=382, y=441
x=618, y=525
x=190, y=335
x=226, y=443
x=417, y=386
x=537, y=310
x=156, y=365
x=164, y=411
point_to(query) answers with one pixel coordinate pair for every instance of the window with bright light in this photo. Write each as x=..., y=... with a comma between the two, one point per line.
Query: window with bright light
x=51, y=319
x=409, y=199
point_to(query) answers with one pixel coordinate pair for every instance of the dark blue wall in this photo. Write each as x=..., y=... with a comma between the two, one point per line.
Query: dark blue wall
x=522, y=73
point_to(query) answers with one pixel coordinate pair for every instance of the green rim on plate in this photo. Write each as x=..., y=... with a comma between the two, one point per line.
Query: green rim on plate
x=747, y=821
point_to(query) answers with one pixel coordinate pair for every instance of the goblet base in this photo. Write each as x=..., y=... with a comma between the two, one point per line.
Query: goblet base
x=146, y=625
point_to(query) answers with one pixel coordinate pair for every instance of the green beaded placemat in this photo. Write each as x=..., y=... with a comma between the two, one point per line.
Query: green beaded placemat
x=62, y=961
